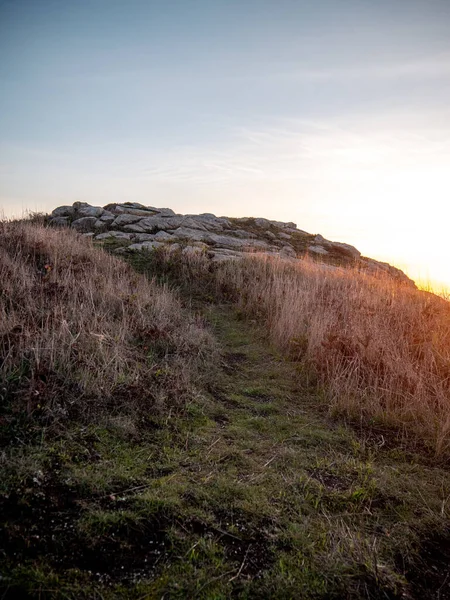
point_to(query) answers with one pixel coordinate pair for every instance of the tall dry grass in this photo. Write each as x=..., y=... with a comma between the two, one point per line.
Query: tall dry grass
x=79, y=328
x=381, y=349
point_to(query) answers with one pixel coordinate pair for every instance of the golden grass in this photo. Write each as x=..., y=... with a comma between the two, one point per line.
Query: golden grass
x=381, y=349
x=80, y=326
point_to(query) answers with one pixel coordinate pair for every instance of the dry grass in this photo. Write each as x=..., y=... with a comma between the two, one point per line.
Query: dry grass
x=382, y=349
x=79, y=327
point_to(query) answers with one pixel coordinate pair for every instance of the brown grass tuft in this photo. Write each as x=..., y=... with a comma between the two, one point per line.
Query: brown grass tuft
x=80, y=328
x=382, y=349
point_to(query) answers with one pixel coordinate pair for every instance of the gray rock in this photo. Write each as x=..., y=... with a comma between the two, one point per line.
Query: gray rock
x=144, y=246
x=195, y=223
x=119, y=235
x=284, y=236
x=282, y=225
x=227, y=241
x=134, y=228
x=165, y=212
x=185, y=233
x=84, y=224
x=288, y=251
x=263, y=223
x=317, y=249
x=240, y=233
x=125, y=219
x=295, y=231
x=63, y=211
x=163, y=236
x=60, y=221
x=337, y=247
x=99, y=224
x=153, y=224
x=91, y=211
x=134, y=208
x=206, y=221
x=345, y=249
x=132, y=205
x=143, y=237
x=107, y=217
x=77, y=205
x=119, y=209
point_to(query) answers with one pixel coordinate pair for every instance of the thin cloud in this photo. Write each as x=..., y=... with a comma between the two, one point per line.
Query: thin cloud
x=421, y=68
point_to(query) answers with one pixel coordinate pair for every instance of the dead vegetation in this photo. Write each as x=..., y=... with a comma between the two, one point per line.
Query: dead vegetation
x=382, y=350
x=79, y=329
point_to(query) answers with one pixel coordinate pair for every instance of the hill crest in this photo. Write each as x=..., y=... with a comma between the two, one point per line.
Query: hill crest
x=135, y=227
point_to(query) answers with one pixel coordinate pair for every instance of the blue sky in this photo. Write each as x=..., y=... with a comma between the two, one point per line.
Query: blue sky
x=334, y=114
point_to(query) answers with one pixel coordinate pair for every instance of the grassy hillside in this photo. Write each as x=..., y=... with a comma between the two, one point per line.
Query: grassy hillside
x=255, y=429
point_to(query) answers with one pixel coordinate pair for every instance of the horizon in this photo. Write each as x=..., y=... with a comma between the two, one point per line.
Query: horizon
x=334, y=117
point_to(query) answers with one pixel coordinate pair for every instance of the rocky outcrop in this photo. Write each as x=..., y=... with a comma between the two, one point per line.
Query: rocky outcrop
x=133, y=227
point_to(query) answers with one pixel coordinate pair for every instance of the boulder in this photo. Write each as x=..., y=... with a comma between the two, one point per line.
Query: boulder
x=263, y=223
x=163, y=236
x=143, y=237
x=188, y=221
x=317, y=249
x=99, y=224
x=77, y=205
x=134, y=228
x=165, y=212
x=209, y=222
x=227, y=241
x=144, y=246
x=288, y=251
x=84, y=224
x=282, y=225
x=90, y=211
x=63, y=211
x=345, y=249
x=153, y=224
x=132, y=205
x=60, y=221
x=125, y=219
x=185, y=233
x=245, y=235
x=107, y=217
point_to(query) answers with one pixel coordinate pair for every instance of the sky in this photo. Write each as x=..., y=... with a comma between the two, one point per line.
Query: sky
x=334, y=114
